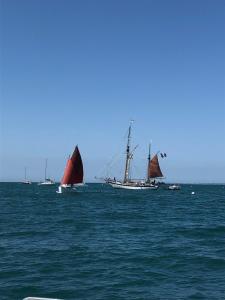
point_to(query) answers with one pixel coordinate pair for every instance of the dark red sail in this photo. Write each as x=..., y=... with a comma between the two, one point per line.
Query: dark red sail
x=74, y=169
x=154, y=168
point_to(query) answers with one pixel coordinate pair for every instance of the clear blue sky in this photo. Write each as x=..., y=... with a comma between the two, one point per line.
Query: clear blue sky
x=75, y=72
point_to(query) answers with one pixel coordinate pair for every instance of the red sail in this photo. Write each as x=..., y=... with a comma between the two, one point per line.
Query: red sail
x=74, y=169
x=154, y=168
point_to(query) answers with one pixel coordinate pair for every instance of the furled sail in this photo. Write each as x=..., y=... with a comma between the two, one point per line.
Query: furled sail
x=74, y=169
x=154, y=168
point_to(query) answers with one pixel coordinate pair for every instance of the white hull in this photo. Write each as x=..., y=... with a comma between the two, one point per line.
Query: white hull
x=46, y=183
x=73, y=185
x=174, y=187
x=35, y=298
x=26, y=182
x=132, y=187
x=68, y=188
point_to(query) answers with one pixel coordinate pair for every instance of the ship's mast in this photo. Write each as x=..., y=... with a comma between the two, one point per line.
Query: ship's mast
x=46, y=163
x=149, y=163
x=128, y=157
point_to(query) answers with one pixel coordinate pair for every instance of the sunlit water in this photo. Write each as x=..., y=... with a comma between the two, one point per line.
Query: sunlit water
x=102, y=243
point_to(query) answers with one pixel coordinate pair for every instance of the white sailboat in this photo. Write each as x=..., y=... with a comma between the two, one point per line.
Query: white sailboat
x=47, y=181
x=26, y=181
x=128, y=182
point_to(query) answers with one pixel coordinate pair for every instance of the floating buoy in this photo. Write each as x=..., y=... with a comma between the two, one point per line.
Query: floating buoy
x=192, y=193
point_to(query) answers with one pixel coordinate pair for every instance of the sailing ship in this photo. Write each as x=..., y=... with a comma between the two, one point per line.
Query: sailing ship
x=153, y=171
x=47, y=181
x=26, y=181
x=73, y=174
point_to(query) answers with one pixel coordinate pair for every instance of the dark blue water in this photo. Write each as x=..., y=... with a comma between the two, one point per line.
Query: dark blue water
x=103, y=243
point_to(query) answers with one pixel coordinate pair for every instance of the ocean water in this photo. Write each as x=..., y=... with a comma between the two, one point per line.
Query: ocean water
x=102, y=243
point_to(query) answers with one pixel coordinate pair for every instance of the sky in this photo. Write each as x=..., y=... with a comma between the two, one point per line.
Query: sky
x=76, y=72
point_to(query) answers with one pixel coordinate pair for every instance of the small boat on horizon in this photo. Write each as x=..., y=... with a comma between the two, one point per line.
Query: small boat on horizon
x=26, y=181
x=47, y=181
x=153, y=171
x=174, y=187
x=73, y=174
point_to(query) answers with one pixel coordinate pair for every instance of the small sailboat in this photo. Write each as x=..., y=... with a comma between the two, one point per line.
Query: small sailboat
x=47, y=181
x=128, y=183
x=73, y=174
x=26, y=181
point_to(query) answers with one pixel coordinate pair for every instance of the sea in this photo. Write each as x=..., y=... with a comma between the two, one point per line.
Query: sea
x=103, y=243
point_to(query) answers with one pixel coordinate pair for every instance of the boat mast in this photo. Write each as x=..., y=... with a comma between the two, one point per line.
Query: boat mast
x=25, y=175
x=149, y=163
x=46, y=162
x=128, y=156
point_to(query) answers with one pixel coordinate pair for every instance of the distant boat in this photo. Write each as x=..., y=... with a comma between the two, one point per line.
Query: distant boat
x=73, y=174
x=47, y=181
x=174, y=187
x=153, y=171
x=26, y=181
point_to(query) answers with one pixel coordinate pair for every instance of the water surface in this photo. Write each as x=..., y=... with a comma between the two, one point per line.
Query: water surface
x=102, y=243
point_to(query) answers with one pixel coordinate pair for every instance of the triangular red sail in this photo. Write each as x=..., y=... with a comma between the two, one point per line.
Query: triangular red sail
x=154, y=168
x=74, y=169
